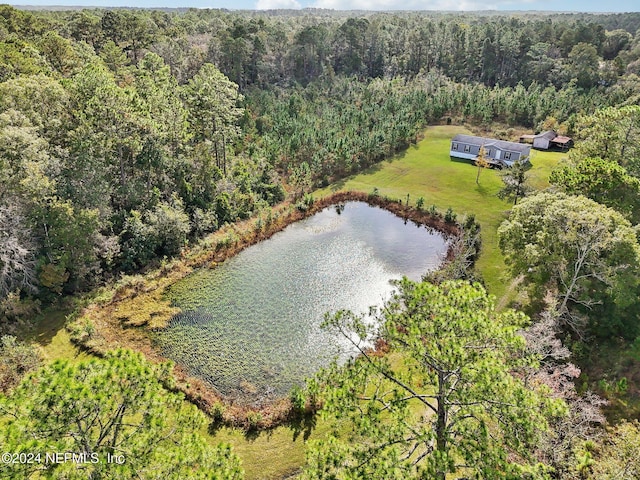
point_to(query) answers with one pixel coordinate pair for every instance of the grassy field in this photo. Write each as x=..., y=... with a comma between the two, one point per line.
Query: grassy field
x=423, y=170
x=426, y=170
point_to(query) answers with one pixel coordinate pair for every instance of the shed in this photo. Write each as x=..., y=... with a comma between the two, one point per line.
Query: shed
x=543, y=140
x=562, y=142
x=547, y=140
x=499, y=153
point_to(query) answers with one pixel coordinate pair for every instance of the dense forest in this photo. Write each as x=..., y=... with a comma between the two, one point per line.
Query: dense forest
x=128, y=135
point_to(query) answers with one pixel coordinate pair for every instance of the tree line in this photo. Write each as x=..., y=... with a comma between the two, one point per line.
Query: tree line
x=331, y=128
x=267, y=49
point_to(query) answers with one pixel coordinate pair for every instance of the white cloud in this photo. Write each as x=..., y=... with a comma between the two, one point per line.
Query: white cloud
x=442, y=5
x=277, y=4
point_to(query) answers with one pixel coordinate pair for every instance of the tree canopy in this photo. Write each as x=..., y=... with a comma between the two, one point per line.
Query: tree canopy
x=118, y=407
x=603, y=181
x=446, y=402
x=612, y=134
x=574, y=247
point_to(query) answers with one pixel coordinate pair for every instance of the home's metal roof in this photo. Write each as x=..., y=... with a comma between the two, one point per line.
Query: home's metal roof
x=491, y=142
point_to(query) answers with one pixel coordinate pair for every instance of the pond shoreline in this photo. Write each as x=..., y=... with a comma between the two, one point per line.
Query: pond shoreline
x=128, y=312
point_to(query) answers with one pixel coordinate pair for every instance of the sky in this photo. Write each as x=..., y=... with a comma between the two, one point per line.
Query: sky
x=451, y=5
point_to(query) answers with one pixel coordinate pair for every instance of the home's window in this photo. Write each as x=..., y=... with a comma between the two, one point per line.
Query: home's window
x=467, y=148
x=454, y=146
x=489, y=152
x=507, y=155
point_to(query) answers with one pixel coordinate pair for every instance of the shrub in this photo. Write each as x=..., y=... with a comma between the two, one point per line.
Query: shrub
x=16, y=311
x=306, y=203
x=450, y=216
x=82, y=330
x=253, y=421
x=272, y=193
x=161, y=231
x=170, y=225
x=622, y=385
x=217, y=412
x=223, y=209
x=138, y=242
x=470, y=222
x=16, y=359
x=203, y=221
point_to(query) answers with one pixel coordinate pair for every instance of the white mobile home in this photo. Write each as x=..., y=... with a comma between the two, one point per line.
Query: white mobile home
x=499, y=153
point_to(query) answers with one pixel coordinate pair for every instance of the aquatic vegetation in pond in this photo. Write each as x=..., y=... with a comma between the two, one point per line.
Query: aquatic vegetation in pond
x=251, y=326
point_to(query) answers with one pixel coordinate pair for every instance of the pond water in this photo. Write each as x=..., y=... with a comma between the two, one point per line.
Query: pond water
x=251, y=326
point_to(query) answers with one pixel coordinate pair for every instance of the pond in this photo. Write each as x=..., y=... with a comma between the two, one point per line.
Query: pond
x=251, y=326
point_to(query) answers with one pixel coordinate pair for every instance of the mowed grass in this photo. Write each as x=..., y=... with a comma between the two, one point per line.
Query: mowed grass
x=426, y=170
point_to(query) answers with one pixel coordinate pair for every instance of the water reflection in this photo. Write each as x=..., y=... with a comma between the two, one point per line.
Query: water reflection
x=252, y=325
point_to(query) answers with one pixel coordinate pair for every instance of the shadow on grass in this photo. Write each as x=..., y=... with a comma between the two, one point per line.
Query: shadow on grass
x=463, y=160
x=250, y=435
x=46, y=325
x=47, y=330
x=302, y=424
x=481, y=189
x=340, y=184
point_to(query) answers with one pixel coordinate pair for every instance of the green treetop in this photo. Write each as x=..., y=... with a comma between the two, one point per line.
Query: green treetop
x=445, y=403
x=115, y=406
x=580, y=251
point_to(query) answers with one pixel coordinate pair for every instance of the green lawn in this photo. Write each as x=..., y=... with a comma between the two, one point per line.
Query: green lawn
x=427, y=170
